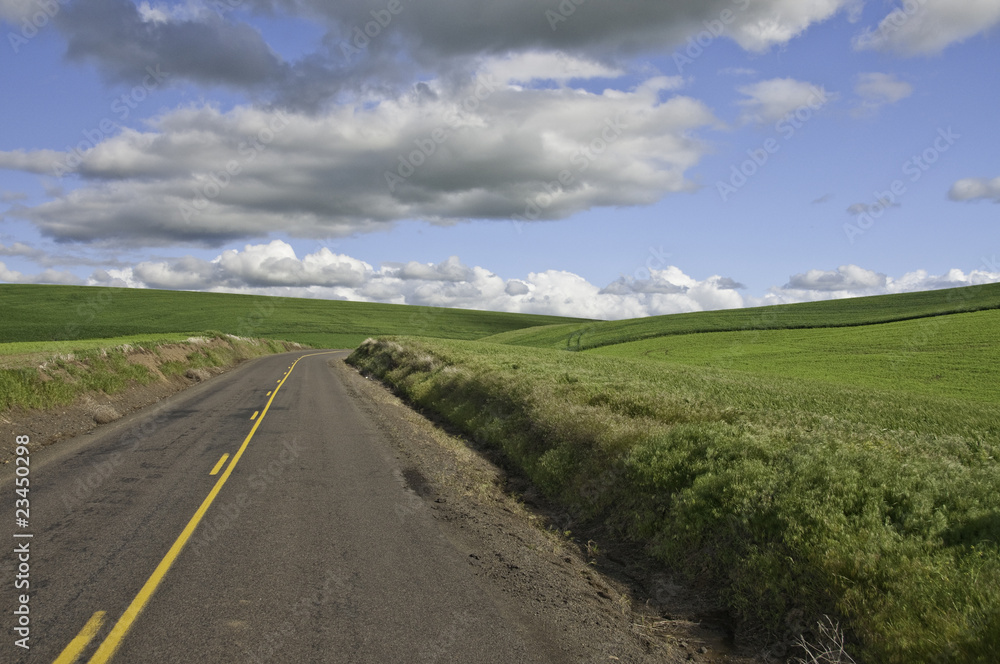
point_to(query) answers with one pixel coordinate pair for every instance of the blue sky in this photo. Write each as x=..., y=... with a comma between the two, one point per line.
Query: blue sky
x=603, y=159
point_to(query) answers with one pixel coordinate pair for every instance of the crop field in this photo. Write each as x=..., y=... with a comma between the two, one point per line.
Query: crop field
x=68, y=313
x=48, y=325
x=830, y=313
x=955, y=356
x=846, y=471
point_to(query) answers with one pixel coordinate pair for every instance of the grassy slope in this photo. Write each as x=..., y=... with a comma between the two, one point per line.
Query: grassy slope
x=27, y=353
x=850, y=471
x=954, y=356
x=833, y=313
x=58, y=313
x=108, y=369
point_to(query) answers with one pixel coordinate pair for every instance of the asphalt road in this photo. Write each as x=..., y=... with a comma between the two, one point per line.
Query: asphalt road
x=306, y=545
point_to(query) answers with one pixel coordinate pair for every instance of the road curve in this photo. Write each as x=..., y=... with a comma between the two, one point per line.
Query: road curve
x=304, y=546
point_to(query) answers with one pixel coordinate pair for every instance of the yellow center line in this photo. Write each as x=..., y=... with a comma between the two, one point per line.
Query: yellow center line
x=219, y=464
x=76, y=646
x=268, y=394
x=110, y=644
x=255, y=414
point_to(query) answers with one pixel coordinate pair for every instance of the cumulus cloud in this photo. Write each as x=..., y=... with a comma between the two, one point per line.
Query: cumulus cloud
x=45, y=277
x=972, y=189
x=445, y=152
x=547, y=66
x=367, y=46
x=769, y=101
x=125, y=41
x=445, y=29
x=853, y=281
x=450, y=270
x=927, y=27
x=844, y=278
x=876, y=90
x=274, y=269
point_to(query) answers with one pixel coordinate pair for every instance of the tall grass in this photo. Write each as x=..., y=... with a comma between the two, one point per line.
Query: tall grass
x=66, y=377
x=793, y=499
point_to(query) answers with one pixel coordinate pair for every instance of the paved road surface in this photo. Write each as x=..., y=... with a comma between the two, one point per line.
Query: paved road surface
x=309, y=552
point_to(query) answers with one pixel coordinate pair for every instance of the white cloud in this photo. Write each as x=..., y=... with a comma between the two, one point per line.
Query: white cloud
x=442, y=153
x=542, y=66
x=927, y=27
x=876, y=90
x=845, y=278
x=971, y=189
x=853, y=281
x=274, y=269
x=762, y=25
x=771, y=100
x=450, y=270
x=46, y=277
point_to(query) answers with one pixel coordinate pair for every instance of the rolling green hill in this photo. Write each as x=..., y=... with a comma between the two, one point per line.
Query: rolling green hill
x=829, y=313
x=953, y=355
x=834, y=458
x=33, y=313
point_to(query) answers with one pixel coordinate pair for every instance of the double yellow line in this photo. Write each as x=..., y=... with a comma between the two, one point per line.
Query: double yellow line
x=111, y=643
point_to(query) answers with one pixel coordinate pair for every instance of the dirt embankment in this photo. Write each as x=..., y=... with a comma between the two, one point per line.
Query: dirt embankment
x=171, y=368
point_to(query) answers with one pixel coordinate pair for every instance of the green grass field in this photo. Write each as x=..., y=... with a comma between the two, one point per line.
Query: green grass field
x=832, y=458
x=93, y=324
x=953, y=356
x=831, y=313
x=70, y=313
x=846, y=469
